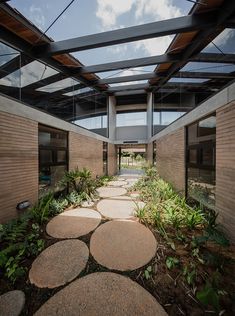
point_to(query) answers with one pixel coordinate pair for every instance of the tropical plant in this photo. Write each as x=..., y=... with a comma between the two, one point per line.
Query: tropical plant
x=41, y=210
x=58, y=205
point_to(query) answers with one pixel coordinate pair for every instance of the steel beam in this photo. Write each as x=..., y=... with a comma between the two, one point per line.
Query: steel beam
x=134, y=33
x=128, y=87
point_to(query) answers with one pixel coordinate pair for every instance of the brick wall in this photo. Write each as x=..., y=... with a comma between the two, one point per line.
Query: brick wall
x=18, y=163
x=170, y=158
x=86, y=152
x=225, y=167
x=112, y=159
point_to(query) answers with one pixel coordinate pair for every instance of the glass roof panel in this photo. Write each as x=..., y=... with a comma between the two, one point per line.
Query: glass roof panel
x=58, y=85
x=28, y=74
x=7, y=53
x=99, y=15
x=209, y=67
x=127, y=83
x=76, y=92
x=224, y=42
x=188, y=80
x=126, y=72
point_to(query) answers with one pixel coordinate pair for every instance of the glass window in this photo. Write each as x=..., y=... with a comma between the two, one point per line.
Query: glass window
x=131, y=119
x=201, y=161
x=52, y=158
x=7, y=53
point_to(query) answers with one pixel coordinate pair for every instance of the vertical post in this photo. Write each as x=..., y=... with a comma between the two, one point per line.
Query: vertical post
x=149, y=114
x=112, y=117
x=119, y=158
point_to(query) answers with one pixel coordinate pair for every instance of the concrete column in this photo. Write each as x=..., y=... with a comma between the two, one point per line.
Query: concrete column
x=149, y=114
x=112, y=117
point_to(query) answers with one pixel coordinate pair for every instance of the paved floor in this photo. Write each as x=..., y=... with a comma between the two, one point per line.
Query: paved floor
x=119, y=245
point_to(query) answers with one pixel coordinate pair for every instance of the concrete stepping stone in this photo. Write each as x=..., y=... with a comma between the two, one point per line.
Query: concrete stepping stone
x=59, y=264
x=118, y=208
x=123, y=245
x=127, y=186
x=102, y=294
x=73, y=223
x=109, y=192
x=12, y=303
x=117, y=183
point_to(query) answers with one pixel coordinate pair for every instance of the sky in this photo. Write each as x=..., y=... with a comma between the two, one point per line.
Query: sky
x=86, y=17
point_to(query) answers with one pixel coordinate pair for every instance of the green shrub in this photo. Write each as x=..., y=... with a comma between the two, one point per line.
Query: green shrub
x=58, y=205
x=41, y=210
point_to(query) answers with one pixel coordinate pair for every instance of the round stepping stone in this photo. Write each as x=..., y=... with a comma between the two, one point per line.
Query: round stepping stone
x=123, y=245
x=109, y=192
x=87, y=204
x=127, y=186
x=117, y=183
x=73, y=223
x=118, y=208
x=59, y=264
x=122, y=197
x=134, y=195
x=120, y=179
x=12, y=303
x=102, y=294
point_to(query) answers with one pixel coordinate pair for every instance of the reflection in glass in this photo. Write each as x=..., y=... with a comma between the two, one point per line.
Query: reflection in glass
x=52, y=158
x=131, y=119
x=58, y=85
x=7, y=53
x=201, y=161
x=28, y=74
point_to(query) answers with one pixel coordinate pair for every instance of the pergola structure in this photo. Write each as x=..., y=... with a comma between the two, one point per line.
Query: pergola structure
x=192, y=34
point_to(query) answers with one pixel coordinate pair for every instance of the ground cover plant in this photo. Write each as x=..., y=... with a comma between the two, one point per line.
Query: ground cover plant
x=193, y=248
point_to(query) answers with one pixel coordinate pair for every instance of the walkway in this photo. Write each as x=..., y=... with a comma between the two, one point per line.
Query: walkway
x=118, y=243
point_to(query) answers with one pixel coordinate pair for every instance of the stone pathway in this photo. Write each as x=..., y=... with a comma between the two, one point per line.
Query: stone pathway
x=118, y=208
x=102, y=294
x=121, y=244
x=73, y=223
x=12, y=303
x=59, y=264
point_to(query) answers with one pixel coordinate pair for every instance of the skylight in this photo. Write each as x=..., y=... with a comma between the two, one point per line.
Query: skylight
x=58, y=85
x=7, y=53
x=28, y=74
x=76, y=92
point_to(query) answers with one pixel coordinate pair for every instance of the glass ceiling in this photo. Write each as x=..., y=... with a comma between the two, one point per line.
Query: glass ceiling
x=28, y=74
x=7, y=53
x=225, y=41
x=187, y=80
x=58, y=85
x=209, y=67
x=76, y=92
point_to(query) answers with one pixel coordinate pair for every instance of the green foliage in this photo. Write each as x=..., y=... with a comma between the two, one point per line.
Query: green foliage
x=20, y=238
x=41, y=210
x=211, y=292
x=58, y=205
x=80, y=181
x=74, y=198
x=190, y=274
x=140, y=212
x=171, y=262
x=148, y=273
x=71, y=179
x=103, y=180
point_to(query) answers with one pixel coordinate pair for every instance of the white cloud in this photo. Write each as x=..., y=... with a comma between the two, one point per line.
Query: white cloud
x=151, y=10
x=160, y=9
x=37, y=16
x=109, y=10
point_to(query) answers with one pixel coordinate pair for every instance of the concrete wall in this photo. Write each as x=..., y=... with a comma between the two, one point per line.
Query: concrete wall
x=225, y=167
x=170, y=159
x=18, y=163
x=112, y=159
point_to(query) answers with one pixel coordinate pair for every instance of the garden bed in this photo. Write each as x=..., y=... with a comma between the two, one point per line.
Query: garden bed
x=191, y=273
